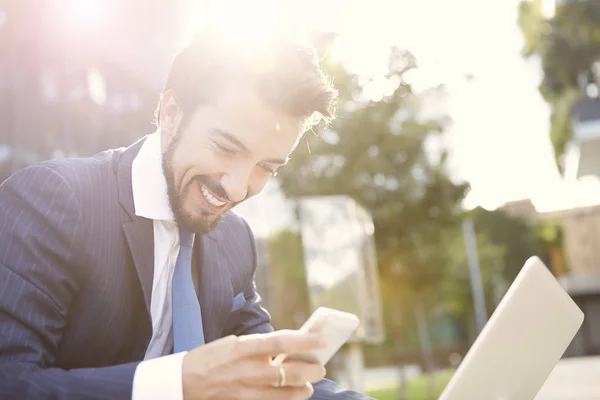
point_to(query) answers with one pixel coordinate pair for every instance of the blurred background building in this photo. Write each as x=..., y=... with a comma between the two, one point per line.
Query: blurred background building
x=72, y=85
x=574, y=263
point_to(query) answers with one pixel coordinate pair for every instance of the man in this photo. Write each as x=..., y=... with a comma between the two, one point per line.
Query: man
x=123, y=276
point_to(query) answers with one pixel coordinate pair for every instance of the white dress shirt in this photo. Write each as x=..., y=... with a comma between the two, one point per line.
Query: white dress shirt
x=159, y=375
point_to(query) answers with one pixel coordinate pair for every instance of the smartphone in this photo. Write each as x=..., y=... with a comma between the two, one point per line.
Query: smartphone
x=337, y=326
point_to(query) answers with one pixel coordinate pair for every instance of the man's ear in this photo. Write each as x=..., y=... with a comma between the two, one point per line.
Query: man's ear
x=170, y=115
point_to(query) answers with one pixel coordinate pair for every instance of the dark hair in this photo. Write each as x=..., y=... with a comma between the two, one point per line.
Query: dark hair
x=285, y=73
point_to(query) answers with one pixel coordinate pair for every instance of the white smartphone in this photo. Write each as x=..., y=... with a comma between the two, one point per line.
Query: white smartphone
x=337, y=326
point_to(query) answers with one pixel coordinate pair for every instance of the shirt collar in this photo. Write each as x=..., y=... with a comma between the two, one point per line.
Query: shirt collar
x=150, y=196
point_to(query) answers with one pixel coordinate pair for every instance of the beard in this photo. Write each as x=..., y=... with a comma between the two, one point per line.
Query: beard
x=202, y=221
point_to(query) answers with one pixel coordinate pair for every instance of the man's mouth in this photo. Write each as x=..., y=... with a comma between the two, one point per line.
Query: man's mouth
x=212, y=199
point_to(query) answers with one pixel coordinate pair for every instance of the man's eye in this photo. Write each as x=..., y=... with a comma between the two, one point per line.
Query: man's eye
x=224, y=149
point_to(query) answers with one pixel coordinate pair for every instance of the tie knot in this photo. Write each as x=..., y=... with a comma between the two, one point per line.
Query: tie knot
x=186, y=238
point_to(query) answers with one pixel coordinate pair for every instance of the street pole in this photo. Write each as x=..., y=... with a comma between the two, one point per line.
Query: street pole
x=475, y=273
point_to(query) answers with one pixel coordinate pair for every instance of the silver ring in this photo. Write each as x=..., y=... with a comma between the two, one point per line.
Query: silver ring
x=281, y=376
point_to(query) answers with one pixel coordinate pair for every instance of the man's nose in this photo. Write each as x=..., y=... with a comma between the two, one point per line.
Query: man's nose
x=236, y=185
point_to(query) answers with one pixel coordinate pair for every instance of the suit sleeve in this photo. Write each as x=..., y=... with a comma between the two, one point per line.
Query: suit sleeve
x=40, y=234
x=253, y=318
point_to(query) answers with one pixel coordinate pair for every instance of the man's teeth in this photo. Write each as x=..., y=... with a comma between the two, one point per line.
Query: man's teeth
x=210, y=198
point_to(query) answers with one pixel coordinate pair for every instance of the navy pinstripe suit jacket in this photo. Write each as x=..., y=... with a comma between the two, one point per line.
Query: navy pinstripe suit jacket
x=76, y=270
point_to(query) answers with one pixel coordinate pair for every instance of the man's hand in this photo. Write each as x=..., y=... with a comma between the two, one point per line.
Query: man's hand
x=241, y=368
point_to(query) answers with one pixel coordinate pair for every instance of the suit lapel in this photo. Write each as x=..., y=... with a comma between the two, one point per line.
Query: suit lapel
x=216, y=292
x=140, y=237
x=138, y=231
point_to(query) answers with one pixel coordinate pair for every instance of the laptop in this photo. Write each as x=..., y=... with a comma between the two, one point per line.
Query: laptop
x=521, y=343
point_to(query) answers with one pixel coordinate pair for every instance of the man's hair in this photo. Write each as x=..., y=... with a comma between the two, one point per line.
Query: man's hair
x=285, y=73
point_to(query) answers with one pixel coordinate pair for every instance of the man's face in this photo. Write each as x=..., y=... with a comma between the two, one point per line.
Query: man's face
x=224, y=154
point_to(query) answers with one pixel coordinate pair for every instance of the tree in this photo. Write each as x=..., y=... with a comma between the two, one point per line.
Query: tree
x=374, y=153
x=568, y=46
x=518, y=238
x=287, y=279
x=551, y=240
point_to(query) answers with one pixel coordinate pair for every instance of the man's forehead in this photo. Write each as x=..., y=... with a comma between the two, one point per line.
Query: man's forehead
x=244, y=115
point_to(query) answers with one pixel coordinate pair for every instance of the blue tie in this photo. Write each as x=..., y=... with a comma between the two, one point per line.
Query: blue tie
x=187, y=316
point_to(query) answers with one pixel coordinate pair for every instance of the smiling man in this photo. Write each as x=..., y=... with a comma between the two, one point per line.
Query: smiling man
x=126, y=276
x=241, y=139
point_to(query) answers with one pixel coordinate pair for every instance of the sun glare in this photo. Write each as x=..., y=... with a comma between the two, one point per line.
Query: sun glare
x=84, y=12
x=251, y=24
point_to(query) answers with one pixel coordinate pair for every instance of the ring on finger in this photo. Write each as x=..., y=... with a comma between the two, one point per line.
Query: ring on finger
x=282, y=381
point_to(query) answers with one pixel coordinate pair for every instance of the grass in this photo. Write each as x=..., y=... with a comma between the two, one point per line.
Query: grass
x=416, y=389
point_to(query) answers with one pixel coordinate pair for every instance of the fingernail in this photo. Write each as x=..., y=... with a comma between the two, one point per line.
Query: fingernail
x=310, y=387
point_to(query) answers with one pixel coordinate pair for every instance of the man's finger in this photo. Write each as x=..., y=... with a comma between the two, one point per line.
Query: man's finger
x=299, y=373
x=271, y=344
x=295, y=374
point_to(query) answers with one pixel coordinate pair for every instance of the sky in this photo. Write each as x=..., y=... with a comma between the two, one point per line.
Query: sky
x=499, y=139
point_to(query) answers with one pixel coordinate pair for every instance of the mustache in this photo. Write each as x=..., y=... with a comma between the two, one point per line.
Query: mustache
x=214, y=187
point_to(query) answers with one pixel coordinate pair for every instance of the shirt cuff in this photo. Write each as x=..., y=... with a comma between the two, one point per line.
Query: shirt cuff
x=159, y=378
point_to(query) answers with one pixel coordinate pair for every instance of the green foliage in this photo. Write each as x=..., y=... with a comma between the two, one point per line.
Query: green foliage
x=456, y=288
x=561, y=129
x=285, y=250
x=533, y=25
x=416, y=389
x=568, y=46
x=517, y=237
x=287, y=277
x=338, y=295
x=550, y=233
x=504, y=243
